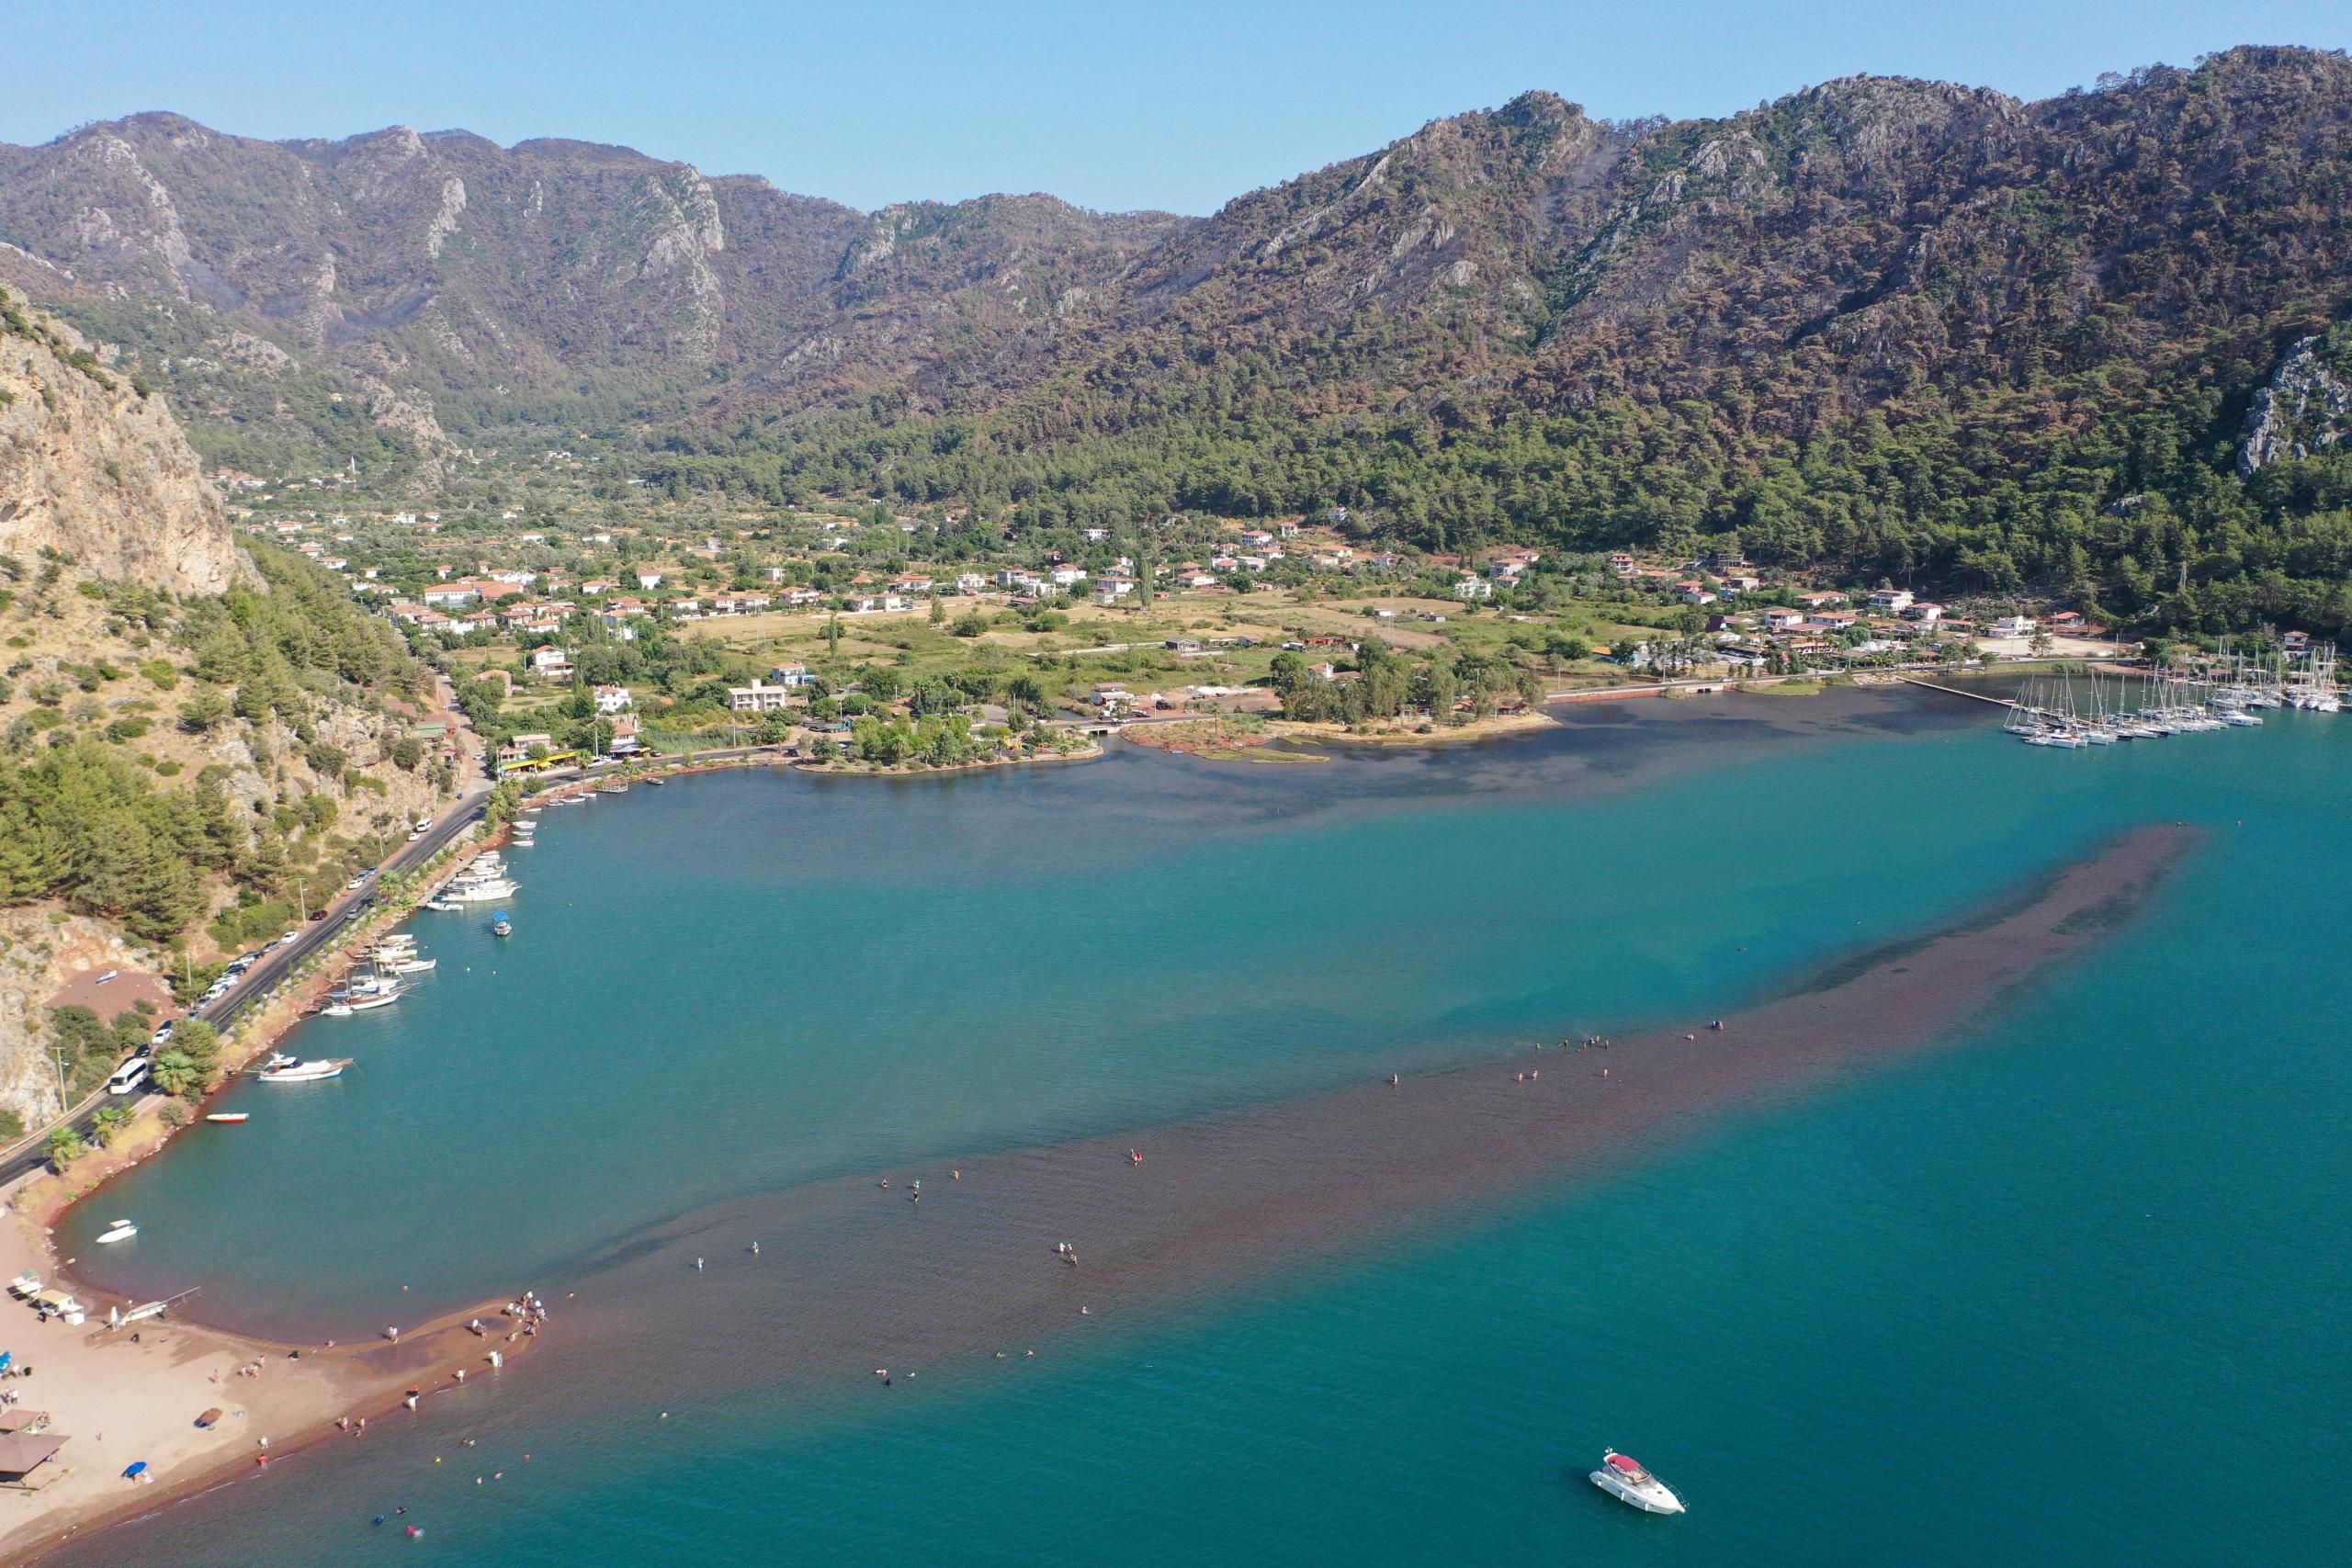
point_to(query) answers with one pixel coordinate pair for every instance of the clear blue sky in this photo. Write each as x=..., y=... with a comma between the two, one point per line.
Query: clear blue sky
x=1180, y=106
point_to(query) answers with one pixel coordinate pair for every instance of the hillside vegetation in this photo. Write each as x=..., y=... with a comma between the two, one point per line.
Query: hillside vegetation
x=1889, y=328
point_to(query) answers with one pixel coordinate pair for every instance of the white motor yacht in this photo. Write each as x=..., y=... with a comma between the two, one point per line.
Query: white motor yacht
x=282, y=1069
x=1622, y=1478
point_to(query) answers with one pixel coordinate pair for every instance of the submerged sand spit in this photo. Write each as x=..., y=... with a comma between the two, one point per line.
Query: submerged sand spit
x=852, y=1276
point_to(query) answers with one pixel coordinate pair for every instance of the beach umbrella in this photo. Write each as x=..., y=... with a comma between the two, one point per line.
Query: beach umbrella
x=6, y=1357
x=138, y=1469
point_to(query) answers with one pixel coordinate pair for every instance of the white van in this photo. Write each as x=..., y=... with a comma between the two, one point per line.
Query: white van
x=128, y=1075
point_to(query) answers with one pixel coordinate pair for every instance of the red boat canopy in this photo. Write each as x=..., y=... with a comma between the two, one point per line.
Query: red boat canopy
x=1626, y=1463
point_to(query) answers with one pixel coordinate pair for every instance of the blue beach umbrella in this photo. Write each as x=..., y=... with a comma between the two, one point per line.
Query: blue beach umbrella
x=138, y=1469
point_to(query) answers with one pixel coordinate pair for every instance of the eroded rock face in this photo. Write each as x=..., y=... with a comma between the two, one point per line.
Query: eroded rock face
x=2306, y=405
x=94, y=471
x=40, y=949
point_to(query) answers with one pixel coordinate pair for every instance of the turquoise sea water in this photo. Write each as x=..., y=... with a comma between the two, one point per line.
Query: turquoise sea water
x=2042, y=1297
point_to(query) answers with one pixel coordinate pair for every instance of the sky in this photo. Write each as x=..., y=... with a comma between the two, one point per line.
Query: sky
x=1178, y=106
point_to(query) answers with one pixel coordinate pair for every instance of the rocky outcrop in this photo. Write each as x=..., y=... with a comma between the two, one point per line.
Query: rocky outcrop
x=95, y=471
x=41, y=948
x=2306, y=405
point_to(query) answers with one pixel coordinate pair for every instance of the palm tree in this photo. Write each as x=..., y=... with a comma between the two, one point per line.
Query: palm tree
x=66, y=1146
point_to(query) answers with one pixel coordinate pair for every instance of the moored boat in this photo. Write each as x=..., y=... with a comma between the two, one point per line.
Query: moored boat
x=228, y=1117
x=121, y=1230
x=500, y=926
x=282, y=1069
x=1622, y=1477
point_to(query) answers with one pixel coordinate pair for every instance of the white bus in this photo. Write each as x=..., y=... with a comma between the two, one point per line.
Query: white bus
x=128, y=1075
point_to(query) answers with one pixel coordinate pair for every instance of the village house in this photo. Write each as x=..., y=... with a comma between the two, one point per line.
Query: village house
x=1820, y=599
x=1923, y=612
x=550, y=662
x=792, y=677
x=758, y=698
x=1474, y=587
x=970, y=583
x=1111, y=590
x=2012, y=626
x=625, y=740
x=1781, y=618
x=1891, y=601
x=612, y=699
x=648, y=580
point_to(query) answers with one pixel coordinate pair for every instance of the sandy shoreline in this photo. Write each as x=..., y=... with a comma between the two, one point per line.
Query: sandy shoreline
x=121, y=1401
x=144, y=1395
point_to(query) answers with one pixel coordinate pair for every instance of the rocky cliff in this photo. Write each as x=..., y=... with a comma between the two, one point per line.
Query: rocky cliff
x=94, y=469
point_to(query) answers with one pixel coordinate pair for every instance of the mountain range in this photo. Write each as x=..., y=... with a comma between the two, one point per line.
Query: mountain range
x=1681, y=316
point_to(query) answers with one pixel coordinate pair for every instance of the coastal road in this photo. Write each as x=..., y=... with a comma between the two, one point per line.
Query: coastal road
x=30, y=1153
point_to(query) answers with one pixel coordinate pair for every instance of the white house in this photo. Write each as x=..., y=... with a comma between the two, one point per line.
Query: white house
x=1471, y=587
x=612, y=699
x=2012, y=626
x=648, y=580
x=550, y=661
x=758, y=697
x=1891, y=601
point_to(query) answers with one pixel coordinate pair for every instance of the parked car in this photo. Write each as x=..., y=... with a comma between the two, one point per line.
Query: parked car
x=289, y=938
x=157, y=1040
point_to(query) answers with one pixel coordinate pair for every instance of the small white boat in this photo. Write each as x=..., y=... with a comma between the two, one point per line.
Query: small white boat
x=283, y=1068
x=121, y=1230
x=446, y=906
x=482, y=892
x=410, y=965
x=228, y=1117
x=1622, y=1478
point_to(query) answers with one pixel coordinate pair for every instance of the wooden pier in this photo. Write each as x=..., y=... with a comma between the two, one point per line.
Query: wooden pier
x=1956, y=692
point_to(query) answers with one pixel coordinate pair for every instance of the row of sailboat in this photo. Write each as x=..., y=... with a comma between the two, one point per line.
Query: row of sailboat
x=2228, y=693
